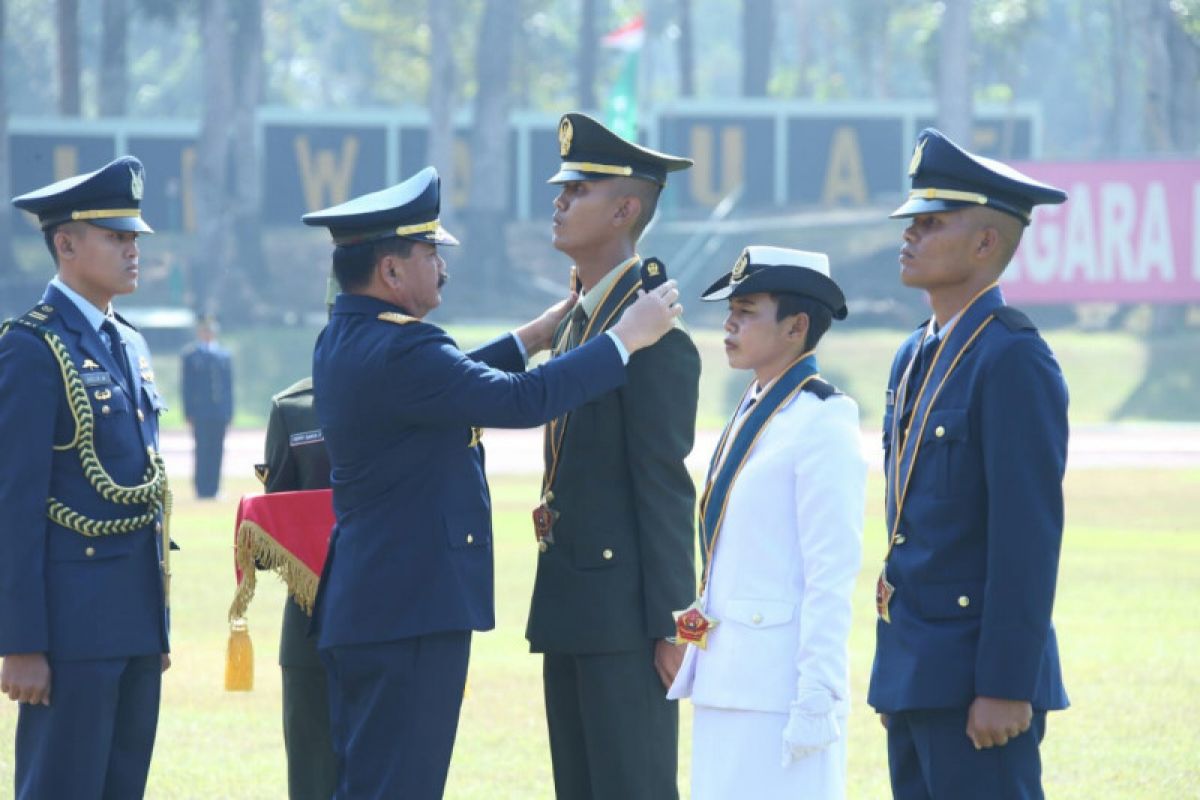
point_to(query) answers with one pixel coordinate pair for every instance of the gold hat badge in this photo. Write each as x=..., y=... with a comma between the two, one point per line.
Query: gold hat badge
x=739, y=269
x=915, y=164
x=566, y=131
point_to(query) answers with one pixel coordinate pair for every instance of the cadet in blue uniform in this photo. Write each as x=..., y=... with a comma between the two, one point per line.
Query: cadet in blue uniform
x=83, y=611
x=409, y=571
x=206, y=378
x=975, y=446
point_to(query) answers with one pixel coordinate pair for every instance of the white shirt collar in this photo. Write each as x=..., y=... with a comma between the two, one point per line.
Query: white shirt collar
x=936, y=332
x=93, y=315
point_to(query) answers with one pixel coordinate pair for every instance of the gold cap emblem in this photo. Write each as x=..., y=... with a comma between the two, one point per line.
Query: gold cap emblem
x=135, y=184
x=739, y=269
x=915, y=164
x=565, y=132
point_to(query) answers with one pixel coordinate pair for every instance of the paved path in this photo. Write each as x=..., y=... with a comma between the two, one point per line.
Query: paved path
x=1170, y=446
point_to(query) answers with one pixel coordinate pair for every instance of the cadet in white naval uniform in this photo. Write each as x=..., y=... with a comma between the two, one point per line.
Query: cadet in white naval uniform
x=781, y=527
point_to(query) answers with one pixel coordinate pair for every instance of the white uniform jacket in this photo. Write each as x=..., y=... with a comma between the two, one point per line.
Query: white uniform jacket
x=784, y=568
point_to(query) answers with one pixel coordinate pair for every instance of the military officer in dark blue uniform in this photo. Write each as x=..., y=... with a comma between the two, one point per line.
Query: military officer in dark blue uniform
x=206, y=377
x=975, y=447
x=409, y=571
x=83, y=606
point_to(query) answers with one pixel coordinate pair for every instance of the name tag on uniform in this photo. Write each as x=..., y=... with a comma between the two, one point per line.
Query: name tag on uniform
x=305, y=437
x=890, y=397
x=96, y=379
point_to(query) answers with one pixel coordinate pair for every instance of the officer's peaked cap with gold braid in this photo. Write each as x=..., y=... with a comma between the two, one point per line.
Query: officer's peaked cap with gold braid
x=945, y=177
x=110, y=197
x=780, y=270
x=409, y=210
x=590, y=152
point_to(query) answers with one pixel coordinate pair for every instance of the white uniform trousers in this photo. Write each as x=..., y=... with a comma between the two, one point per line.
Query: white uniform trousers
x=739, y=754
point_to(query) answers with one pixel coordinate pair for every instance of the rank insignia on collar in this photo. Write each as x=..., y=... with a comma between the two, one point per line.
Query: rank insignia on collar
x=692, y=625
x=89, y=364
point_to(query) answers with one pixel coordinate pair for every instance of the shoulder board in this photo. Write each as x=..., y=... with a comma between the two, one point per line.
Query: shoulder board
x=1014, y=319
x=36, y=317
x=302, y=386
x=397, y=317
x=821, y=388
x=124, y=321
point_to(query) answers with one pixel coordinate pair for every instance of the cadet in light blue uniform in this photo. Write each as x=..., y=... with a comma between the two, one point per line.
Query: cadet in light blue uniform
x=409, y=571
x=975, y=446
x=83, y=612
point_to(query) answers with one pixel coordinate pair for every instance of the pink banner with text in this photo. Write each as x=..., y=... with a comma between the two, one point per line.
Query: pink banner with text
x=1129, y=233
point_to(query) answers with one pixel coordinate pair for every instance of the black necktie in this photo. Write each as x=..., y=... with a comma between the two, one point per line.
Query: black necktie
x=117, y=348
x=575, y=331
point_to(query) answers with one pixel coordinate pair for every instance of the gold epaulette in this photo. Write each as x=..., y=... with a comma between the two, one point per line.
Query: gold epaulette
x=397, y=317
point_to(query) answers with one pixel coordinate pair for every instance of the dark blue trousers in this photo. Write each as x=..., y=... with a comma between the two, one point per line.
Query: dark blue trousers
x=394, y=709
x=930, y=757
x=95, y=739
x=209, y=435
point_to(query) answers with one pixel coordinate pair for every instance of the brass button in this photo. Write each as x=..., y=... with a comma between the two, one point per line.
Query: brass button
x=964, y=601
x=608, y=554
x=939, y=431
x=542, y=546
x=470, y=539
x=105, y=410
x=89, y=552
x=141, y=416
x=901, y=538
x=756, y=619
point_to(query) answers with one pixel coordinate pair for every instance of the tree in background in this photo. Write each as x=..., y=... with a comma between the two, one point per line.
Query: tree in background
x=758, y=35
x=443, y=96
x=113, y=85
x=212, y=255
x=955, y=91
x=68, y=57
x=487, y=199
x=585, y=61
x=246, y=208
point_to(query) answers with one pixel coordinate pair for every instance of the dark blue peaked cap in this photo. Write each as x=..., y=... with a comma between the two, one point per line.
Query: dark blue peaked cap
x=590, y=152
x=110, y=197
x=408, y=210
x=946, y=177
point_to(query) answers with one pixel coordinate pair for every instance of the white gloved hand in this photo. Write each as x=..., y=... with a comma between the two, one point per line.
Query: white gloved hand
x=811, y=727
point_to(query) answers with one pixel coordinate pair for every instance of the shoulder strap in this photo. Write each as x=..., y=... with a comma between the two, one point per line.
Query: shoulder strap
x=1014, y=319
x=821, y=388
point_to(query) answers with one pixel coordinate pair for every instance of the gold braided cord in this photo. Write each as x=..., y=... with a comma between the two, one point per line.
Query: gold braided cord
x=152, y=491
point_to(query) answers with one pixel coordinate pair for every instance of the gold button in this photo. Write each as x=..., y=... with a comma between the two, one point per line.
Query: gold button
x=608, y=554
x=901, y=538
x=89, y=552
x=470, y=538
x=964, y=601
x=105, y=410
x=939, y=431
x=756, y=619
x=141, y=416
x=542, y=546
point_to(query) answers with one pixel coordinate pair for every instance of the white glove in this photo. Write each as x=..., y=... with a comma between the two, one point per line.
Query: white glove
x=811, y=727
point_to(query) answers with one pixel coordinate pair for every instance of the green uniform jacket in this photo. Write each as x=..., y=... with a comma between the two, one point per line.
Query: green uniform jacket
x=296, y=460
x=623, y=557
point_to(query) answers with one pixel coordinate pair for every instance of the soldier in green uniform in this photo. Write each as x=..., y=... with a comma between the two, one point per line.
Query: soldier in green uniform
x=615, y=525
x=296, y=460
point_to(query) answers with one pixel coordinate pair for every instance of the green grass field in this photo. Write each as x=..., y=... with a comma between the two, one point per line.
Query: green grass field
x=1129, y=591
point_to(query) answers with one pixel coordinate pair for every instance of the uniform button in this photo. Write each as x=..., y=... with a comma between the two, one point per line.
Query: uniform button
x=542, y=546
x=141, y=416
x=105, y=410
x=607, y=554
x=150, y=450
x=470, y=539
x=901, y=538
x=939, y=431
x=158, y=527
x=89, y=552
x=756, y=619
x=964, y=601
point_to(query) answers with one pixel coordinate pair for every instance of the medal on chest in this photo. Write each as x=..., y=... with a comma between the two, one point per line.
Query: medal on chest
x=543, y=522
x=692, y=625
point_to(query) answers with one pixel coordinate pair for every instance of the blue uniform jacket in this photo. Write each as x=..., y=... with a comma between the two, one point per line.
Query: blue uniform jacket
x=411, y=552
x=63, y=593
x=975, y=570
x=207, y=383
